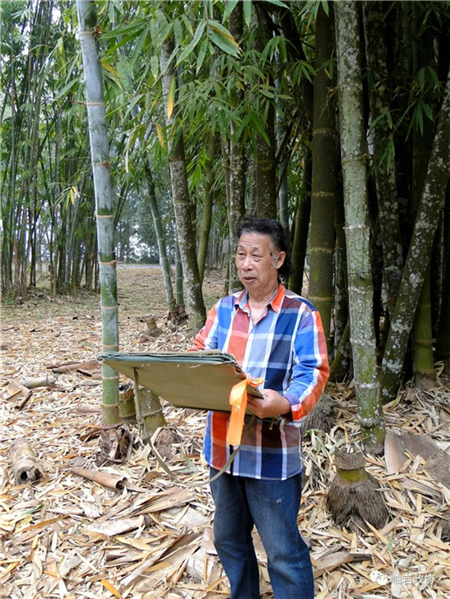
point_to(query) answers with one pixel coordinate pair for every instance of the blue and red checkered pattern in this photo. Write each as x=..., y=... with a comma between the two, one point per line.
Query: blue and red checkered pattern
x=286, y=347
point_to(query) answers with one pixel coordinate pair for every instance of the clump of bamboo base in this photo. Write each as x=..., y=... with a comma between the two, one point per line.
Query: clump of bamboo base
x=353, y=499
x=322, y=417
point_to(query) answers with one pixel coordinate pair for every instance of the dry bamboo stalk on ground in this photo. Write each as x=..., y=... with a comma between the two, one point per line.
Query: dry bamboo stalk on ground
x=24, y=464
x=42, y=381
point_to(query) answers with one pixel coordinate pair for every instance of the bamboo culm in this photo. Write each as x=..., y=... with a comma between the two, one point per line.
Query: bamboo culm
x=104, y=206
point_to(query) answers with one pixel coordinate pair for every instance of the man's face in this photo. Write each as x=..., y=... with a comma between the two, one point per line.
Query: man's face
x=257, y=263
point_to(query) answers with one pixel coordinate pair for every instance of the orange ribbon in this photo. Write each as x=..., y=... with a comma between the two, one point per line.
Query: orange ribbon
x=238, y=402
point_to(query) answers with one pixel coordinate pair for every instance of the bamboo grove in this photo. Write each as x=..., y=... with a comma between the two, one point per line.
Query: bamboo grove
x=332, y=116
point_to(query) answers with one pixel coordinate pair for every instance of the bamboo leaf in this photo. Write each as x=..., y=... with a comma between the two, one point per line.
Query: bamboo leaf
x=137, y=52
x=154, y=66
x=219, y=28
x=66, y=88
x=171, y=98
x=131, y=140
x=132, y=104
x=277, y=3
x=135, y=27
x=260, y=128
x=112, y=589
x=433, y=76
x=160, y=134
x=187, y=24
x=111, y=69
x=427, y=110
x=223, y=42
x=163, y=34
x=193, y=43
x=325, y=7
x=201, y=55
x=178, y=31
x=422, y=78
x=248, y=9
x=229, y=7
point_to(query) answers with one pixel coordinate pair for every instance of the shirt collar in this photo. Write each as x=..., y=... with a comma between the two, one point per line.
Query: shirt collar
x=275, y=302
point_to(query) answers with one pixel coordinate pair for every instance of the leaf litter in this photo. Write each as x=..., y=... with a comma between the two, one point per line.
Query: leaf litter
x=129, y=530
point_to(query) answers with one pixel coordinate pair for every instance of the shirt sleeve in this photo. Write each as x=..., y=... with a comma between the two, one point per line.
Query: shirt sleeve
x=310, y=370
x=206, y=338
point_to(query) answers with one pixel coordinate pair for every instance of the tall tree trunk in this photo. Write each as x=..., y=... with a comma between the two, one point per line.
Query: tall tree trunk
x=443, y=334
x=265, y=171
x=422, y=335
x=205, y=227
x=265, y=164
x=104, y=206
x=341, y=321
x=163, y=260
x=323, y=177
x=179, y=280
x=283, y=193
x=385, y=178
x=360, y=288
x=302, y=218
x=180, y=196
x=236, y=198
x=431, y=203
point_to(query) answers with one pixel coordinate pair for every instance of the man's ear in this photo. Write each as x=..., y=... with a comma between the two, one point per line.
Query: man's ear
x=280, y=259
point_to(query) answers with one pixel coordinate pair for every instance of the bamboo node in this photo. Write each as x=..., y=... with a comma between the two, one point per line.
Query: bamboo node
x=324, y=130
x=362, y=158
x=95, y=103
x=110, y=307
x=319, y=249
x=323, y=194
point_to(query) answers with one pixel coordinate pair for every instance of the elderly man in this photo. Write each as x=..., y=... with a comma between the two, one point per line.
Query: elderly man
x=276, y=335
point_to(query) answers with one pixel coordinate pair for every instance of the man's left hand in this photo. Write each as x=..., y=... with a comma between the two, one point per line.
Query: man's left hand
x=272, y=405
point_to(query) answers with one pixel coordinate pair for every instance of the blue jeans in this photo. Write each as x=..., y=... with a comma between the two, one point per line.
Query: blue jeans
x=272, y=505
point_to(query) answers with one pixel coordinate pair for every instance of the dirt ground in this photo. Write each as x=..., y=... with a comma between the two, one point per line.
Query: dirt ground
x=67, y=535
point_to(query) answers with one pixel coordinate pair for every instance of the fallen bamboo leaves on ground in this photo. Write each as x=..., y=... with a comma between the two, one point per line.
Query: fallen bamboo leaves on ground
x=68, y=536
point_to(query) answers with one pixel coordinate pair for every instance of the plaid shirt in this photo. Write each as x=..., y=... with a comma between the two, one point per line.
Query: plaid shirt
x=286, y=348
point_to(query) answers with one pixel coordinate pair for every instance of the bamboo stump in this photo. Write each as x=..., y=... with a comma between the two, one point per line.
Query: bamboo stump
x=127, y=408
x=151, y=411
x=24, y=463
x=353, y=499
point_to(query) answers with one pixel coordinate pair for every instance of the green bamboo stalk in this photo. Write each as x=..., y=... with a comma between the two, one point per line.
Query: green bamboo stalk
x=163, y=259
x=265, y=163
x=180, y=195
x=104, y=206
x=236, y=196
x=179, y=280
x=443, y=334
x=302, y=218
x=360, y=288
x=323, y=177
x=205, y=227
x=422, y=334
x=383, y=136
x=340, y=290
